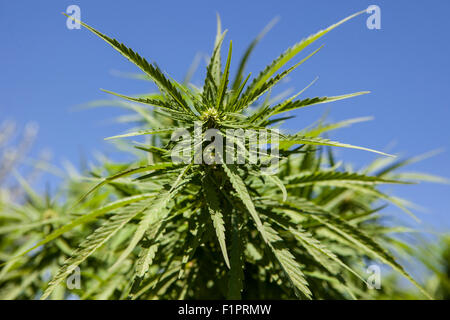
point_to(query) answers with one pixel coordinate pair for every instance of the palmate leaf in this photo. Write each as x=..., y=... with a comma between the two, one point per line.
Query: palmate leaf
x=328, y=178
x=212, y=79
x=144, y=132
x=241, y=189
x=399, y=164
x=213, y=203
x=277, y=181
x=292, y=105
x=197, y=230
x=262, y=114
x=287, y=141
x=235, y=97
x=129, y=172
x=152, y=71
x=310, y=242
x=291, y=53
x=320, y=129
x=359, y=238
x=380, y=195
x=216, y=62
x=287, y=261
x=155, y=214
x=313, y=246
x=95, y=241
x=337, y=284
x=284, y=257
x=248, y=98
x=87, y=218
x=148, y=101
x=242, y=64
x=145, y=259
x=152, y=216
x=418, y=176
x=224, y=80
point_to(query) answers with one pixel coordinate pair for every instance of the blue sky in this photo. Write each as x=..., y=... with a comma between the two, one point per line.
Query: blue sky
x=47, y=69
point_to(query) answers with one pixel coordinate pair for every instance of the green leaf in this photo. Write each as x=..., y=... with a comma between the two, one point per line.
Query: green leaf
x=242, y=64
x=317, y=131
x=95, y=241
x=292, y=105
x=144, y=132
x=128, y=172
x=237, y=263
x=334, y=178
x=87, y=218
x=147, y=101
x=154, y=214
x=145, y=259
x=364, y=241
x=213, y=203
x=152, y=71
x=239, y=185
x=212, y=79
x=277, y=181
x=378, y=195
x=224, y=80
x=291, y=53
x=250, y=97
x=287, y=261
x=310, y=242
x=288, y=141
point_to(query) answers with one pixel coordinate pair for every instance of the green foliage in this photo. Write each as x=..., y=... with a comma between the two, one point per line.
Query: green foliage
x=166, y=230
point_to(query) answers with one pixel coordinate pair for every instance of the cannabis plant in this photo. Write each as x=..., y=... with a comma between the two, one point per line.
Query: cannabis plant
x=293, y=223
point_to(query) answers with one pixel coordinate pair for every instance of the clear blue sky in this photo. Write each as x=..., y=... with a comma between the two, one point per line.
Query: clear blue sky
x=46, y=69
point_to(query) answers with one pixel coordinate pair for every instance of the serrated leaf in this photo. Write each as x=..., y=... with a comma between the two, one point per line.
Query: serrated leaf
x=334, y=178
x=288, y=141
x=87, y=218
x=128, y=172
x=213, y=203
x=309, y=241
x=296, y=104
x=286, y=56
x=287, y=261
x=154, y=214
x=95, y=241
x=147, y=101
x=277, y=181
x=236, y=273
x=224, y=80
x=364, y=241
x=315, y=132
x=152, y=71
x=239, y=185
x=144, y=132
x=250, y=97
x=242, y=64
